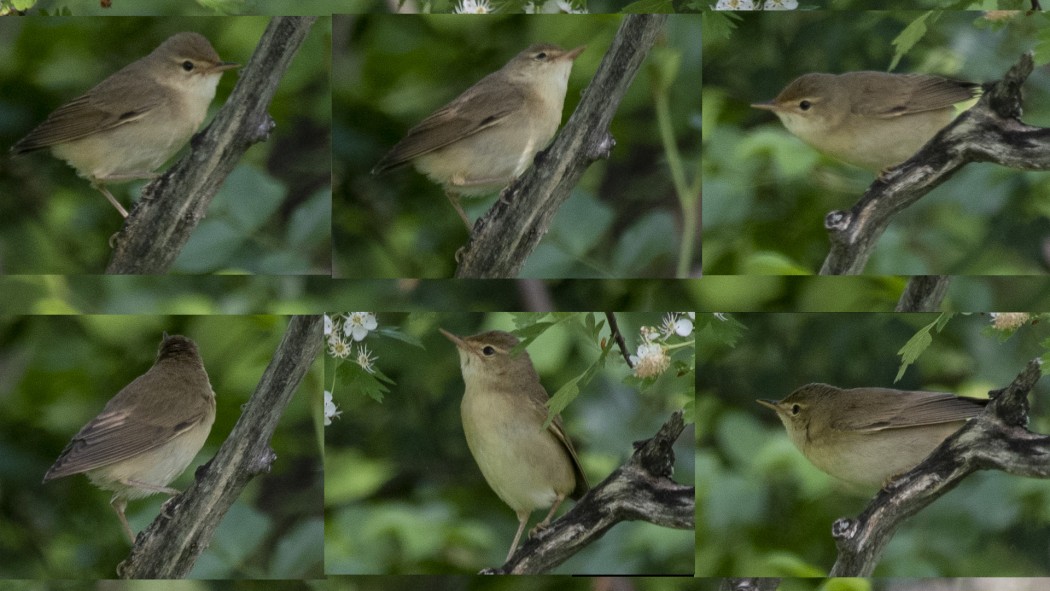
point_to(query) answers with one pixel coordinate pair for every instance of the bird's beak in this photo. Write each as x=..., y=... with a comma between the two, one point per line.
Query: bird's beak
x=571, y=55
x=766, y=106
x=223, y=66
x=455, y=339
x=768, y=403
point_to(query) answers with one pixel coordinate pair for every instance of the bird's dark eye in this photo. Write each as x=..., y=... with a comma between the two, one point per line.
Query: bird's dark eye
x=541, y=56
x=795, y=409
x=805, y=105
x=488, y=350
x=187, y=65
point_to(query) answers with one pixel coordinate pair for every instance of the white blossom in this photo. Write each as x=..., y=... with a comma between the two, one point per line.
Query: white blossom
x=473, y=7
x=651, y=360
x=359, y=324
x=735, y=5
x=330, y=409
x=365, y=359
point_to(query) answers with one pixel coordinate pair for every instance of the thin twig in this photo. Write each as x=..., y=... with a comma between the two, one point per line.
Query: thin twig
x=616, y=334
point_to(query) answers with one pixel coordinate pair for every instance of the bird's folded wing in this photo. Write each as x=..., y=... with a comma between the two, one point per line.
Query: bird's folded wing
x=912, y=410
x=87, y=114
x=454, y=122
x=114, y=436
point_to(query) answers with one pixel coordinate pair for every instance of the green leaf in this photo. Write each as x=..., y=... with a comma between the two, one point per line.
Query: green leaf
x=232, y=545
x=1042, y=47
x=396, y=333
x=588, y=323
x=919, y=342
x=648, y=240
x=942, y=320
x=912, y=349
x=232, y=221
x=791, y=565
x=568, y=392
x=523, y=319
x=299, y=551
x=311, y=222
x=530, y=333
x=592, y=325
x=907, y=39
x=362, y=382
x=210, y=247
x=722, y=328
x=266, y=195
x=773, y=263
x=718, y=24
x=584, y=210
x=847, y=584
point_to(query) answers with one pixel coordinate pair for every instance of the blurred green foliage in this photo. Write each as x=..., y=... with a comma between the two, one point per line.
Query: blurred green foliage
x=85, y=294
x=389, y=72
x=303, y=295
x=862, y=294
x=764, y=510
x=58, y=373
x=308, y=7
x=273, y=213
x=720, y=22
x=202, y=7
x=766, y=193
x=403, y=494
x=529, y=583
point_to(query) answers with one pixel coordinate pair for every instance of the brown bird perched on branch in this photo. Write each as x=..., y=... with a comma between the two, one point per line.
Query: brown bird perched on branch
x=868, y=435
x=148, y=433
x=503, y=411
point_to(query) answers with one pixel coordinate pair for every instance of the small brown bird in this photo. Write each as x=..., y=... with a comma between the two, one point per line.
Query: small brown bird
x=148, y=433
x=867, y=436
x=486, y=137
x=132, y=122
x=873, y=120
x=503, y=411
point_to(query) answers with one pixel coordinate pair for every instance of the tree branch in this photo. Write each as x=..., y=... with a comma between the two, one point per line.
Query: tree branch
x=614, y=328
x=170, y=208
x=641, y=489
x=506, y=235
x=991, y=131
x=924, y=293
x=997, y=439
x=169, y=547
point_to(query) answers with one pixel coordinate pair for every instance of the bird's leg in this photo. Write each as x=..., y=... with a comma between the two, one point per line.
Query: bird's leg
x=102, y=189
x=523, y=518
x=460, y=181
x=547, y=520
x=119, y=503
x=150, y=487
x=131, y=176
x=453, y=198
x=99, y=183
